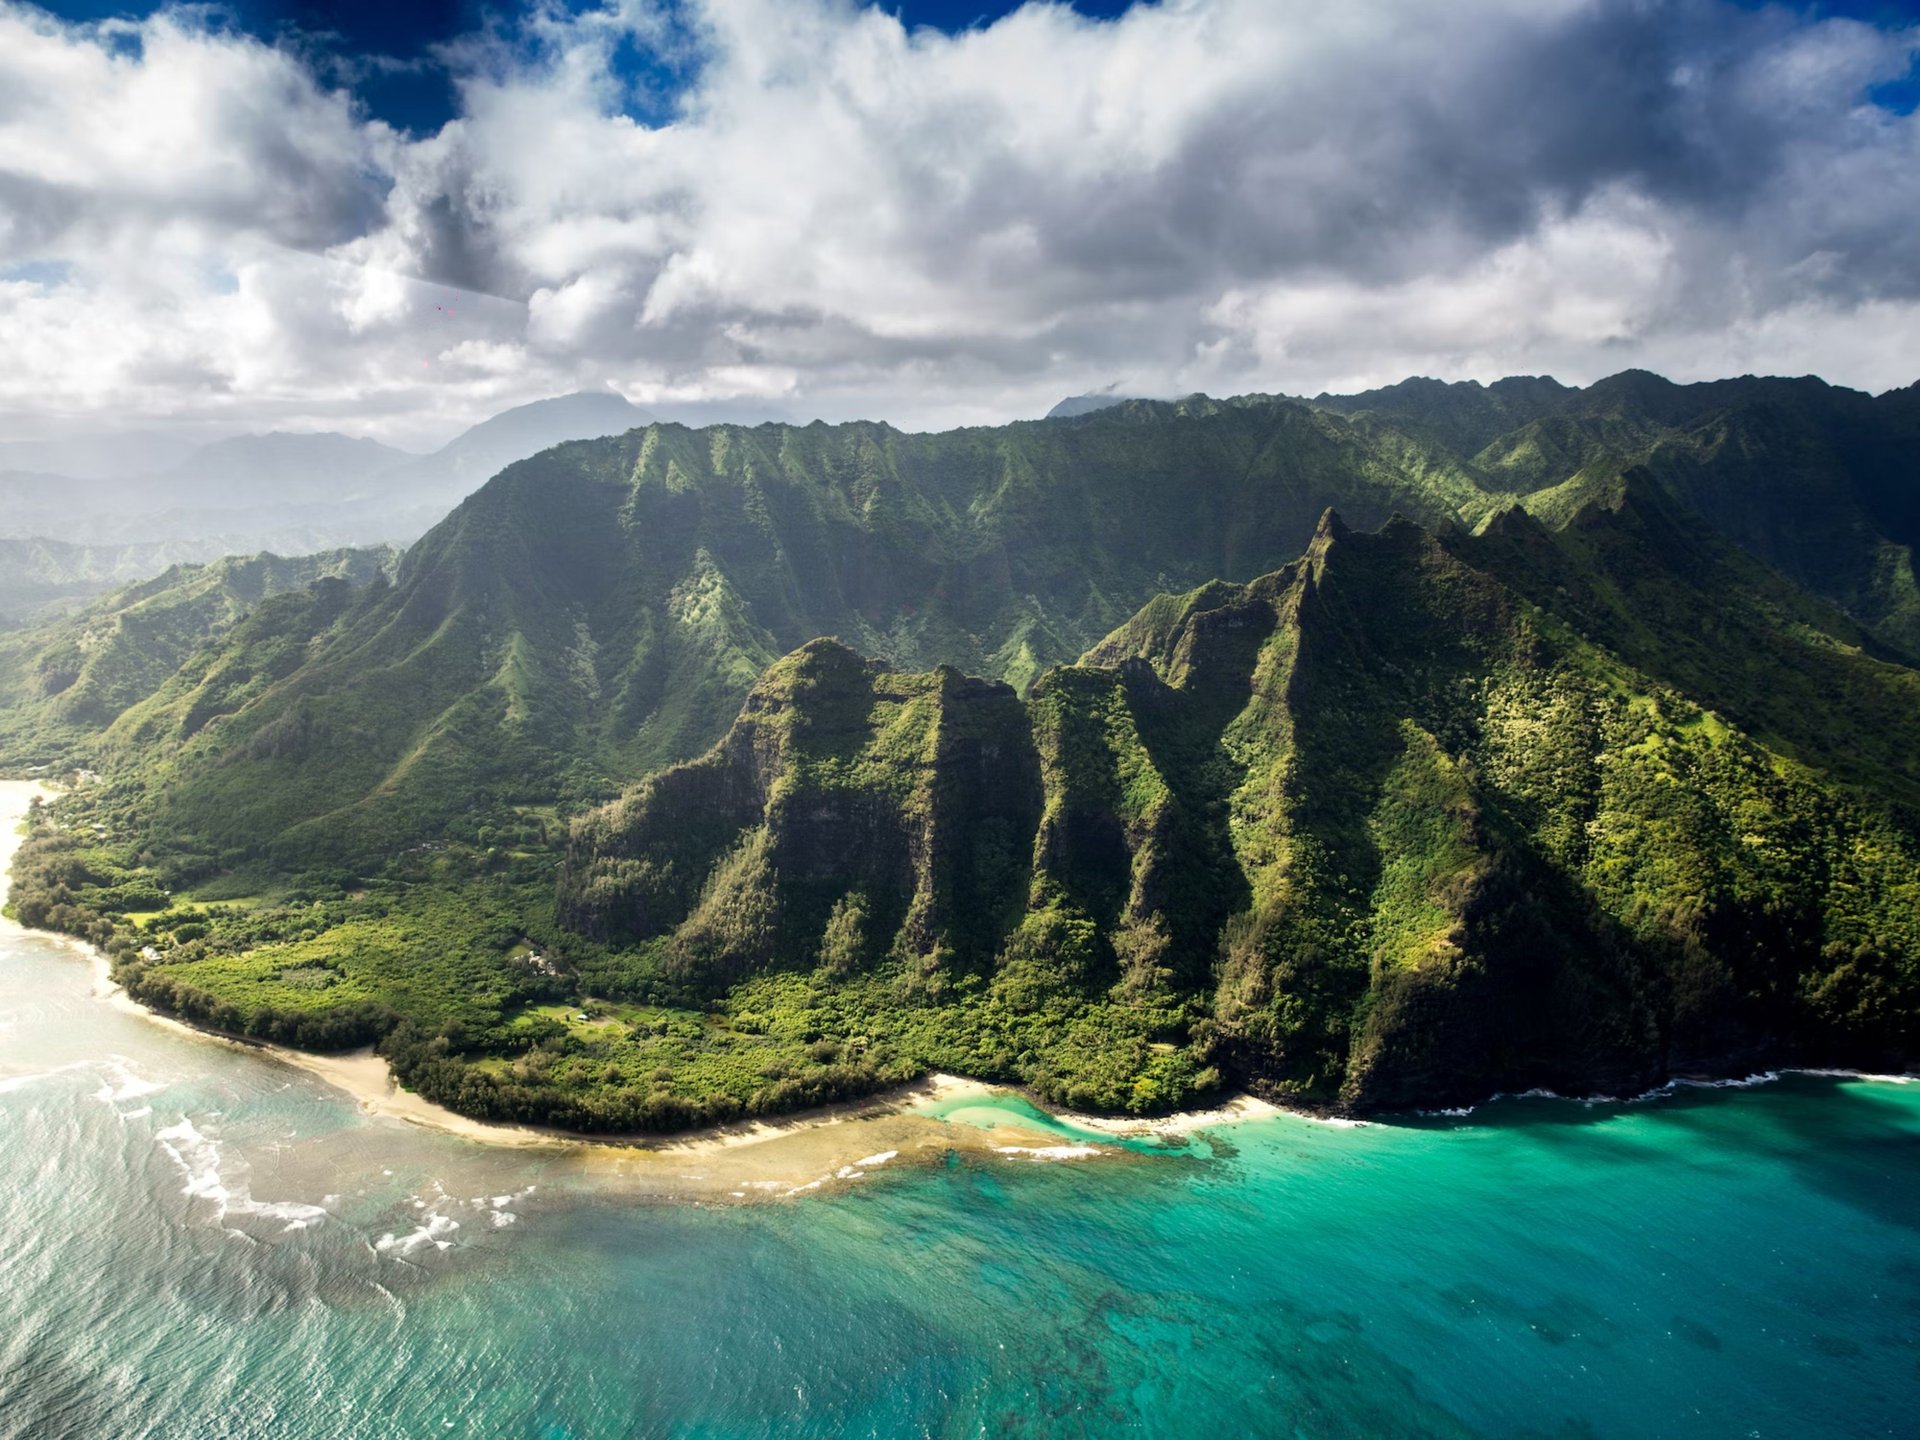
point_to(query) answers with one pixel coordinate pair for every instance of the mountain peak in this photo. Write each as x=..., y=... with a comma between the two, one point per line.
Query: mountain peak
x=1087, y=404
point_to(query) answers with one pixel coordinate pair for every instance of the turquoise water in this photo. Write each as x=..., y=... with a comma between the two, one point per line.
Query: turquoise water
x=197, y=1242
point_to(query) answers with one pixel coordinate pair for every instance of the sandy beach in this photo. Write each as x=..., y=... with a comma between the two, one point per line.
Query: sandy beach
x=1185, y=1122
x=804, y=1152
x=809, y=1151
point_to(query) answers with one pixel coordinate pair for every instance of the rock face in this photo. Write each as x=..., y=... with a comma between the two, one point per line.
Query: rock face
x=894, y=810
x=1396, y=830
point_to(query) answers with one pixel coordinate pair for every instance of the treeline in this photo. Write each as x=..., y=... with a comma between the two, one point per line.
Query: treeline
x=431, y=1066
x=342, y=1027
x=63, y=883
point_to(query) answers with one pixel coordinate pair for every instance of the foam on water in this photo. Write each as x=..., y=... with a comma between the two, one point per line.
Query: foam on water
x=434, y=1232
x=10, y=1083
x=198, y=1158
x=1666, y=1089
x=124, y=1083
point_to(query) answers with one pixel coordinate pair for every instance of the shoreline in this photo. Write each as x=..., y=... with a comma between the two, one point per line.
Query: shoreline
x=365, y=1077
x=812, y=1151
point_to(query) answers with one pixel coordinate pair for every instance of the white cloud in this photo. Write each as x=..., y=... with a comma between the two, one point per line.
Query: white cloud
x=842, y=217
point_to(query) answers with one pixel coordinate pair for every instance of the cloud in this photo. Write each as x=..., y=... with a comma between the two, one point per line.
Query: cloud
x=839, y=216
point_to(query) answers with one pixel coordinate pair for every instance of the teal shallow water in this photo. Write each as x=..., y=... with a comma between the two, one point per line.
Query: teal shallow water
x=199, y=1242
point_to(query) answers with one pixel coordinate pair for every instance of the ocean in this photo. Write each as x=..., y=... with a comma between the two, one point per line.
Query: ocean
x=197, y=1240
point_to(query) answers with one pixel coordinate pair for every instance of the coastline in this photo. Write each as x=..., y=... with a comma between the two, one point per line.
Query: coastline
x=365, y=1077
x=783, y=1155
x=1185, y=1122
x=809, y=1151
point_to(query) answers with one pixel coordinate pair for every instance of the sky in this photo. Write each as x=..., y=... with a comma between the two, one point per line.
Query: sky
x=394, y=219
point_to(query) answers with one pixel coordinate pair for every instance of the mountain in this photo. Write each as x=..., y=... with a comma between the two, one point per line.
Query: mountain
x=115, y=518
x=1819, y=482
x=63, y=681
x=247, y=493
x=474, y=456
x=602, y=608
x=248, y=470
x=1369, y=832
x=100, y=455
x=288, y=493
x=1086, y=404
x=38, y=577
x=1595, y=763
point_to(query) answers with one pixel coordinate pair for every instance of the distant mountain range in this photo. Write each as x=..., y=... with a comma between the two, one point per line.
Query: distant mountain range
x=38, y=577
x=1580, y=747
x=102, y=455
x=74, y=534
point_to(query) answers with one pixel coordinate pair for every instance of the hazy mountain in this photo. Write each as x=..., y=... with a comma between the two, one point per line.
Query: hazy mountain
x=1086, y=404
x=97, y=456
x=79, y=532
x=246, y=493
x=41, y=575
x=249, y=470
x=469, y=460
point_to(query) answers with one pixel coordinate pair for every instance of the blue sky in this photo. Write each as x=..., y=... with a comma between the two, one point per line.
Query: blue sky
x=421, y=96
x=260, y=215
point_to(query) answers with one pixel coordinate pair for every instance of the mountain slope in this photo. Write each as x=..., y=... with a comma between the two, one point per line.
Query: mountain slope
x=41, y=577
x=292, y=469
x=1422, y=814
x=482, y=451
x=63, y=682
x=1086, y=404
x=602, y=608
x=285, y=492
x=274, y=489
x=1368, y=832
x=1821, y=483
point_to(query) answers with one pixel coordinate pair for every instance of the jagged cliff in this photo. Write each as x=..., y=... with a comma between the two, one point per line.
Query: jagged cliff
x=1379, y=829
x=886, y=809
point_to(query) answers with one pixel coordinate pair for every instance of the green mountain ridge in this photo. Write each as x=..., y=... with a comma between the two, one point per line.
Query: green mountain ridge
x=63, y=683
x=1586, y=756
x=601, y=609
x=1817, y=481
x=1373, y=831
x=40, y=579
